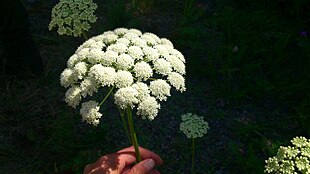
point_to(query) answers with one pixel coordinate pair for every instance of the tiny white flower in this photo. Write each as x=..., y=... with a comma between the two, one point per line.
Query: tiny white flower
x=165, y=41
x=139, y=42
x=160, y=89
x=109, y=58
x=162, y=49
x=162, y=66
x=88, y=87
x=124, y=62
x=148, y=108
x=83, y=54
x=104, y=76
x=68, y=77
x=73, y=96
x=120, y=48
x=109, y=38
x=91, y=43
x=131, y=36
x=123, y=79
x=80, y=69
x=150, y=53
x=178, y=54
x=135, y=52
x=126, y=97
x=135, y=31
x=95, y=56
x=176, y=64
x=143, y=70
x=143, y=90
x=74, y=59
x=121, y=31
x=124, y=41
x=156, y=38
x=149, y=40
x=177, y=81
x=90, y=112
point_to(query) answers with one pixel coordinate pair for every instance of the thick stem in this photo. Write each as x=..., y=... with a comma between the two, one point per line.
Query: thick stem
x=122, y=113
x=193, y=155
x=133, y=135
x=105, y=98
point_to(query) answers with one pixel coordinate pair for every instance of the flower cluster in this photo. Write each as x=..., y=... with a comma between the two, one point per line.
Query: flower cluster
x=72, y=17
x=291, y=160
x=140, y=68
x=193, y=126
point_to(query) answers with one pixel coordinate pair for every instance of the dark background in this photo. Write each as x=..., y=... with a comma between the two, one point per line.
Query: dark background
x=247, y=74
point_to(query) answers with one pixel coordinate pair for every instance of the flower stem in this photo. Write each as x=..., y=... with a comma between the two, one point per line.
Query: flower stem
x=122, y=113
x=84, y=35
x=133, y=135
x=105, y=98
x=193, y=155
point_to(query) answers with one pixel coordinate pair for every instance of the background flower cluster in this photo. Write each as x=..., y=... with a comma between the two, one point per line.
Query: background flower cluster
x=295, y=159
x=73, y=17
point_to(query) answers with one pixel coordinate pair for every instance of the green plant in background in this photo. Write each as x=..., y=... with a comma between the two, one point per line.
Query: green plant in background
x=138, y=68
x=295, y=159
x=118, y=15
x=193, y=127
x=73, y=17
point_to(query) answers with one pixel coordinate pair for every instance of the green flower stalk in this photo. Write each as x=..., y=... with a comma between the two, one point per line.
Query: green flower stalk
x=193, y=127
x=73, y=17
x=291, y=160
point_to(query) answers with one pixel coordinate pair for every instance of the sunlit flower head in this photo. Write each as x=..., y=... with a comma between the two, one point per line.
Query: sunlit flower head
x=138, y=69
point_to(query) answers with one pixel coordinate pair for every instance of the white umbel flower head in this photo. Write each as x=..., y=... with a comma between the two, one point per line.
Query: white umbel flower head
x=135, y=66
x=73, y=17
x=148, y=108
x=160, y=89
x=90, y=112
x=126, y=97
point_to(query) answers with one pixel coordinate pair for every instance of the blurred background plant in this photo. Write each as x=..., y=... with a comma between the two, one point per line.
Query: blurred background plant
x=248, y=70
